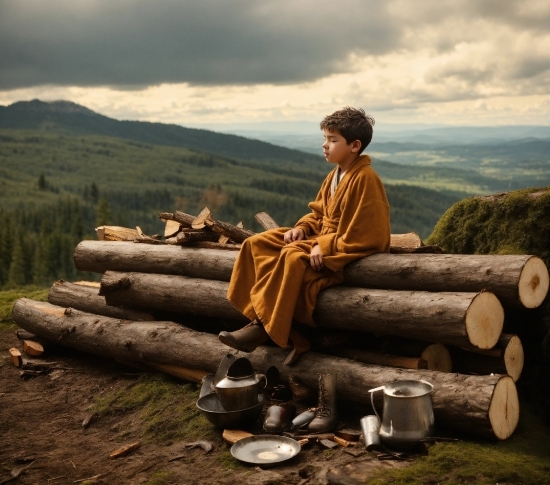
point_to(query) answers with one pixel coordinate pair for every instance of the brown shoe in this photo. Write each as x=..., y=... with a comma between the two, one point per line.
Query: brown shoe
x=278, y=417
x=247, y=338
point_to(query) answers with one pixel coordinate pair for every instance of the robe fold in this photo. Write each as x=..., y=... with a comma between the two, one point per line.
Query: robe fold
x=274, y=282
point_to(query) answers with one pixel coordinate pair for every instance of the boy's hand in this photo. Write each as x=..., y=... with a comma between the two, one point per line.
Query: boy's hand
x=295, y=234
x=316, y=258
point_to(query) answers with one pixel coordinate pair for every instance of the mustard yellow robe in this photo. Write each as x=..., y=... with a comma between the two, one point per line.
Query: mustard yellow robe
x=274, y=282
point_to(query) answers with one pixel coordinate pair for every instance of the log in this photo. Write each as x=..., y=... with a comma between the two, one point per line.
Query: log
x=234, y=233
x=482, y=405
x=516, y=280
x=382, y=359
x=87, y=299
x=115, y=233
x=435, y=354
x=190, y=375
x=505, y=358
x=192, y=236
x=455, y=318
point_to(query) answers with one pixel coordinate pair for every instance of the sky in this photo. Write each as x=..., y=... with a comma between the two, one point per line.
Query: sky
x=228, y=62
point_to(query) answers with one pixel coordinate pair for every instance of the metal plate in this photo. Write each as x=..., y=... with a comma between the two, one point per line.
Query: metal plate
x=265, y=449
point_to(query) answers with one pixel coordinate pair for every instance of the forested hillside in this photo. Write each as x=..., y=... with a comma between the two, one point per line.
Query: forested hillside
x=61, y=176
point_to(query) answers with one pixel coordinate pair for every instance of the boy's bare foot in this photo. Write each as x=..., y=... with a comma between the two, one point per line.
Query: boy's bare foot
x=247, y=338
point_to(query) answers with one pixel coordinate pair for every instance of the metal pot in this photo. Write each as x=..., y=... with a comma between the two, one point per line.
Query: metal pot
x=408, y=413
x=237, y=393
x=212, y=409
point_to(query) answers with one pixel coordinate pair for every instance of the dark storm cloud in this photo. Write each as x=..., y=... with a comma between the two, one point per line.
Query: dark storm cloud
x=145, y=42
x=135, y=43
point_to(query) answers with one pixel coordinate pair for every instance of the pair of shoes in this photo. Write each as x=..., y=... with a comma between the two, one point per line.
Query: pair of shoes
x=326, y=417
x=247, y=338
x=279, y=417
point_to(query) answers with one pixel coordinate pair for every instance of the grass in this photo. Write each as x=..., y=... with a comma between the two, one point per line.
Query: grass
x=524, y=459
x=9, y=297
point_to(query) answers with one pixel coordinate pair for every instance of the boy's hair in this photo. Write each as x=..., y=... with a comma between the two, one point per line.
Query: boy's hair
x=352, y=123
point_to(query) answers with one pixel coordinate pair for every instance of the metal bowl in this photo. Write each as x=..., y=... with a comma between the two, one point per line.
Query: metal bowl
x=265, y=449
x=213, y=410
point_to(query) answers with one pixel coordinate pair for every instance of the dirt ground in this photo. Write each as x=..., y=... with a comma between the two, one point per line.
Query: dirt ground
x=42, y=437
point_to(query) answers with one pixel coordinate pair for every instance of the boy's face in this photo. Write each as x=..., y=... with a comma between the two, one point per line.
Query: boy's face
x=337, y=150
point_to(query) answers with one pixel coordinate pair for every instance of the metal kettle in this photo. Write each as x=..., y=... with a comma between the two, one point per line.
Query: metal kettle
x=240, y=388
x=408, y=413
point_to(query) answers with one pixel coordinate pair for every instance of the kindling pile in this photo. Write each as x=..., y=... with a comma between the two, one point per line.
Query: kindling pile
x=440, y=313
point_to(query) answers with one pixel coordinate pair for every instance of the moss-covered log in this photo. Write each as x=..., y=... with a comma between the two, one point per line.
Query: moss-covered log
x=482, y=405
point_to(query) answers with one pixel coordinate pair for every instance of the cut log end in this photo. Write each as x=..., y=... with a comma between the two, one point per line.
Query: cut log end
x=513, y=358
x=484, y=320
x=438, y=358
x=504, y=408
x=533, y=283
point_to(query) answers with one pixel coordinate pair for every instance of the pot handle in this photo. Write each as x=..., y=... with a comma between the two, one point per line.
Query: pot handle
x=372, y=391
x=261, y=377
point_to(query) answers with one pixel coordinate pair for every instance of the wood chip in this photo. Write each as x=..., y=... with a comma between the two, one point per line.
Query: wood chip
x=231, y=436
x=125, y=450
x=33, y=348
x=328, y=444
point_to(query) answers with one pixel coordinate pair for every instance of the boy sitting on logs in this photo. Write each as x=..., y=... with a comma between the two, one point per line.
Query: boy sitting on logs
x=279, y=273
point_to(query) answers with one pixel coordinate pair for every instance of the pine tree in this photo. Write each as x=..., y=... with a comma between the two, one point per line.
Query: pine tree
x=17, y=266
x=42, y=185
x=103, y=213
x=94, y=193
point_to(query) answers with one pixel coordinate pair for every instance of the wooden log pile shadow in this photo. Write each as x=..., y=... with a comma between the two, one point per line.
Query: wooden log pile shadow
x=414, y=313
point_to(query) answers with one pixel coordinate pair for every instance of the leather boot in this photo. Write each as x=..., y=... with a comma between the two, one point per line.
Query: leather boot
x=279, y=417
x=326, y=417
x=247, y=338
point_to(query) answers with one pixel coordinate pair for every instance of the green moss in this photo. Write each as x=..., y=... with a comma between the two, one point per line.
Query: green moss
x=167, y=409
x=159, y=478
x=512, y=223
x=522, y=459
x=9, y=297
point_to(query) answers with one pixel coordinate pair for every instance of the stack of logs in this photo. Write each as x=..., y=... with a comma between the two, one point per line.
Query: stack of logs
x=440, y=312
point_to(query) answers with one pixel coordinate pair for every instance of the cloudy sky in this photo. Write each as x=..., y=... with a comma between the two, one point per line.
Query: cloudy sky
x=206, y=62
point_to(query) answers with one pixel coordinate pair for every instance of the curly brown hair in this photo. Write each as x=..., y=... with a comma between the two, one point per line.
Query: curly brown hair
x=352, y=123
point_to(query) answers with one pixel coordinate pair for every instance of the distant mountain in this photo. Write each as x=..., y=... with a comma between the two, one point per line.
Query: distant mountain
x=68, y=117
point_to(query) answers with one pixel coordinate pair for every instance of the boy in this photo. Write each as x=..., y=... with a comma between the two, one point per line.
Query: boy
x=279, y=273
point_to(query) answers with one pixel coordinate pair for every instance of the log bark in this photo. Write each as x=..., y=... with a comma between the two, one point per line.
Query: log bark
x=87, y=299
x=483, y=405
x=382, y=359
x=184, y=219
x=505, y=358
x=455, y=318
x=516, y=280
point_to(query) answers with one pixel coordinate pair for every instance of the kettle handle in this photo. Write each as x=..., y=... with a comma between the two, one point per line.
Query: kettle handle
x=372, y=391
x=261, y=377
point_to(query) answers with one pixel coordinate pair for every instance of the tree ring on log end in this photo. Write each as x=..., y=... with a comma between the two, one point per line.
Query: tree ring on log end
x=533, y=283
x=484, y=320
x=513, y=358
x=504, y=408
x=438, y=358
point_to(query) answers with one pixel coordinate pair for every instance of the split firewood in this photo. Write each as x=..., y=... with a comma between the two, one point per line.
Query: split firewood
x=482, y=405
x=116, y=233
x=200, y=221
x=33, y=348
x=231, y=436
x=192, y=236
x=184, y=219
x=125, y=450
x=16, y=357
x=171, y=228
x=266, y=221
x=516, y=280
x=409, y=240
x=343, y=442
x=232, y=232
